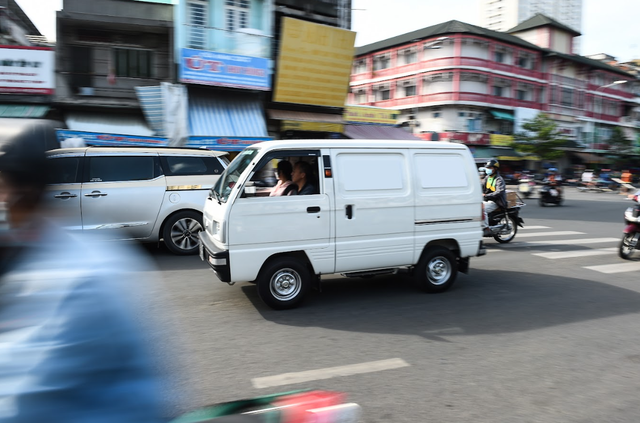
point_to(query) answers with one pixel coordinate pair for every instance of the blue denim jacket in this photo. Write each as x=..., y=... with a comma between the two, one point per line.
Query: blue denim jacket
x=70, y=347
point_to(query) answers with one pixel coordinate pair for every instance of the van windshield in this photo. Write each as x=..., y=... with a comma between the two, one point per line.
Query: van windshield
x=230, y=176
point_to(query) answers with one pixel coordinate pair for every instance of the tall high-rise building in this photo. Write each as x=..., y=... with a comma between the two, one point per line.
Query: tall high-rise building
x=502, y=15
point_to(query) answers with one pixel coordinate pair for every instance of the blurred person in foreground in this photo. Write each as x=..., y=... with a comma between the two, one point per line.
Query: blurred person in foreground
x=70, y=348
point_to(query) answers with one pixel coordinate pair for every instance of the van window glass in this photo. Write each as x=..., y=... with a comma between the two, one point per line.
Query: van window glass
x=265, y=181
x=63, y=170
x=441, y=171
x=116, y=168
x=230, y=176
x=371, y=172
x=180, y=165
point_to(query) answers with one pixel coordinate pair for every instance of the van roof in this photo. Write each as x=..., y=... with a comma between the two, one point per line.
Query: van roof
x=351, y=143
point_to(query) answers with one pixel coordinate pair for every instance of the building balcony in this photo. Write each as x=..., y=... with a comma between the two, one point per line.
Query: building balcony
x=245, y=42
x=451, y=97
x=447, y=62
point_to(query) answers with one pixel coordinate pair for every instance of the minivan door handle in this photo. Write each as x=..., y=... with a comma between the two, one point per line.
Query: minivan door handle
x=95, y=194
x=314, y=209
x=349, y=211
x=64, y=195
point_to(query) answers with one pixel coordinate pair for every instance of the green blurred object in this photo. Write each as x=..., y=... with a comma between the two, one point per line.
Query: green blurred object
x=22, y=111
x=237, y=407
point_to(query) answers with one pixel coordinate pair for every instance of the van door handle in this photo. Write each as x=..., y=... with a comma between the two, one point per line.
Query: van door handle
x=64, y=195
x=349, y=210
x=95, y=194
x=314, y=209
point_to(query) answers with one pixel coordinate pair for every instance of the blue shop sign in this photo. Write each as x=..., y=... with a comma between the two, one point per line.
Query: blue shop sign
x=224, y=143
x=224, y=70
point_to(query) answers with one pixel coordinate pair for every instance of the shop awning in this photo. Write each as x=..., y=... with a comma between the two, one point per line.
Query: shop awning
x=217, y=115
x=304, y=116
x=22, y=111
x=108, y=123
x=505, y=154
x=502, y=115
x=151, y=102
x=375, y=132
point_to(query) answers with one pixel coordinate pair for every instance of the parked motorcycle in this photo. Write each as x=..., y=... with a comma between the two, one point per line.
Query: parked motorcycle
x=526, y=186
x=631, y=232
x=550, y=193
x=503, y=223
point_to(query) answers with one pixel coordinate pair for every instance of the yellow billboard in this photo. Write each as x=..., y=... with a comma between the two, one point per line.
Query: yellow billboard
x=294, y=125
x=314, y=64
x=502, y=140
x=378, y=115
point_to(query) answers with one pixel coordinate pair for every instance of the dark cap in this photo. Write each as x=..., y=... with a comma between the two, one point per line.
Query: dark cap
x=23, y=143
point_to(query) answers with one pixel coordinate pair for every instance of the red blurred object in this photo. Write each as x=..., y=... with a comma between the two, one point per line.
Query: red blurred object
x=294, y=407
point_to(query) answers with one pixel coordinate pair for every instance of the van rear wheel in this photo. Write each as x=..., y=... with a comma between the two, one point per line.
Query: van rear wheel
x=436, y=271
x=283, y=283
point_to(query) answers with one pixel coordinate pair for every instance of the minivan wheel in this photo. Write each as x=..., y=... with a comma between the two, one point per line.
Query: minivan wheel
x=180, y=232
x=436, y=271
x=283, y=283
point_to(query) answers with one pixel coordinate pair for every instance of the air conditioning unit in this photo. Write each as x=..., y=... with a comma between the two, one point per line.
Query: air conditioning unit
x=86, y=91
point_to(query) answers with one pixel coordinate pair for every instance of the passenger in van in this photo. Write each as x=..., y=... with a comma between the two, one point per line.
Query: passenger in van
x=285, y=185
x=494, y=189
x=301, y=176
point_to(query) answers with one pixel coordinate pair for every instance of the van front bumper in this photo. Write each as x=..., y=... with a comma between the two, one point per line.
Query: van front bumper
x=217, y=259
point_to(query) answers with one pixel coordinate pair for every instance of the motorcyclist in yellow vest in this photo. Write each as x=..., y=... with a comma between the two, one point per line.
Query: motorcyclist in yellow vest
x=494, y=189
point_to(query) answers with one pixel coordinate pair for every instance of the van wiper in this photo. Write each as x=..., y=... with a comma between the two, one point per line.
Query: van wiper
x=213, y=194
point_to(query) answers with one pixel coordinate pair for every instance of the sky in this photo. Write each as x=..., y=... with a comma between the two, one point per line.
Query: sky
x=609, y=26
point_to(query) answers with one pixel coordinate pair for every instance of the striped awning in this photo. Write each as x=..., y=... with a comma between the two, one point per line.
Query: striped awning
x=213, y=114
x=151, y=102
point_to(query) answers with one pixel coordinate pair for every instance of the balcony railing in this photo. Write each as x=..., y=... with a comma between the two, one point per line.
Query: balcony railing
x=244, y=42
x=460, y=97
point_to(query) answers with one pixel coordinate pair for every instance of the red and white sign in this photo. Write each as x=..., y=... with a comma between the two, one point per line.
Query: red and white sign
x=26, y=70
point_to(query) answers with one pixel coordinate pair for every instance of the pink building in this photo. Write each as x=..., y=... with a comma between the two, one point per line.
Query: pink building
x=460, y=82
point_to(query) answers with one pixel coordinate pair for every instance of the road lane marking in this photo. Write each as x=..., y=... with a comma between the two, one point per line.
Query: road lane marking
x=615, y=268
x=327, y=373
x=535, y=227
x=557, y=233
x=576, y=253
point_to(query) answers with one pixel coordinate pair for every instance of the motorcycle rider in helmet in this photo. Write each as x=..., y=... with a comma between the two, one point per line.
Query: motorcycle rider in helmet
x=494, y=190
x=554, y=179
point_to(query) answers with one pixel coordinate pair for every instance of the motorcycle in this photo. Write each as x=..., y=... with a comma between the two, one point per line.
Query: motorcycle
x=550, y=193
x=631, y=232
x=504, y=222
x=526, y=186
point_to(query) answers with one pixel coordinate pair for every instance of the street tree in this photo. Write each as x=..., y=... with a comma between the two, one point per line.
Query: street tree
x=619, y=144
x=540, y=136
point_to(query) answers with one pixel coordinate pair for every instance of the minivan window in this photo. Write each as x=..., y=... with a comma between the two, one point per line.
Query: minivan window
x=117, y=168
x=227, y=181
x=180, y=165
x=63, y=170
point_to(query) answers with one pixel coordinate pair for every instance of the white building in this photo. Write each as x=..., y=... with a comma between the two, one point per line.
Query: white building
x=502, y=15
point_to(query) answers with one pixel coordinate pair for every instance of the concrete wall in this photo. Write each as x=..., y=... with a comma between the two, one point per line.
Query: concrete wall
x=121, y=10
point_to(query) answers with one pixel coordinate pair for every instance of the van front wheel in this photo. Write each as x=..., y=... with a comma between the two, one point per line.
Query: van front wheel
x=283, y=283
x=436, y=271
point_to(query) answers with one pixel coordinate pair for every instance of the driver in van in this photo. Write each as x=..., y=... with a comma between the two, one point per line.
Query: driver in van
x=494, y=189
x=301, y=174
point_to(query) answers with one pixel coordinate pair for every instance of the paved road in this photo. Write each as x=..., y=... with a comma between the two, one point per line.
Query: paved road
x=544, y=329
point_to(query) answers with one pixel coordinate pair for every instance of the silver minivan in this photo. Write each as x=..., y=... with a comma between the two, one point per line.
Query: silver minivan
x=147, y=194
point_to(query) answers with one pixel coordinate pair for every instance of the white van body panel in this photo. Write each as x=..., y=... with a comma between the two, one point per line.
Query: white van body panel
x=402, y=196
x=262, y=227
x=376, y=185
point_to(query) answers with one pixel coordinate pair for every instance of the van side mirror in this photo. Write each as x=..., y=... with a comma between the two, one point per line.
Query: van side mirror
x=249, y=189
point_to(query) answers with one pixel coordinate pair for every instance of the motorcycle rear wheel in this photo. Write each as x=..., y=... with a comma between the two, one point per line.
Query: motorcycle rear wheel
x=508, y=232
x=625, y=250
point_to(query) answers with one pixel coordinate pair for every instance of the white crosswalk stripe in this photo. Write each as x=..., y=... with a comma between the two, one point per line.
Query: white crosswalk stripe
x=616, y=268
x=576, y=253
x=607, y=254
x=556, y=233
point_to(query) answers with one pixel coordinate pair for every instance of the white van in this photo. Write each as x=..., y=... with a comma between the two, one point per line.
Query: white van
x=378, y=207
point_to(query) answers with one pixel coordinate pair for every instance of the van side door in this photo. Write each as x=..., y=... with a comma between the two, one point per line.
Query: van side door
x=374, y=208
x=260, y=225
x=122, y=194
